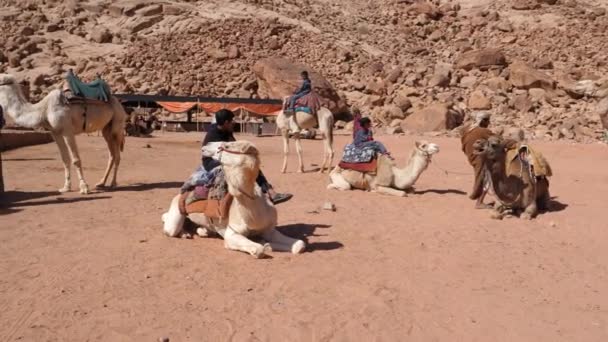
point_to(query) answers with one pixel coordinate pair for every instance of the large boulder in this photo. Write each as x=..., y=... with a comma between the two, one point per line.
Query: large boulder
x=481, y=59
x=478, y=100
x=435, y=117
x=524, y=76
x=279, y=77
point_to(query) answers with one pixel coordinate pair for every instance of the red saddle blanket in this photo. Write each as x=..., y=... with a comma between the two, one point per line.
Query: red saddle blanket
x=217, y=209
x=361, y=167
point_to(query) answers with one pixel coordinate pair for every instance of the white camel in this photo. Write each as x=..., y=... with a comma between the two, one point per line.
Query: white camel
x=64, y=121
x=251, y=213
x=388, y=179
x=298, y=121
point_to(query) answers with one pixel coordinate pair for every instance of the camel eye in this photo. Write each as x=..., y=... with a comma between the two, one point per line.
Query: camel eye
x=423, y=146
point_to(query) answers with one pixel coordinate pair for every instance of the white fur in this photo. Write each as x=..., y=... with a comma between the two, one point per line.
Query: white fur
x=66, y=121
x=300, y=121
x=251, y=212
x=402, y=178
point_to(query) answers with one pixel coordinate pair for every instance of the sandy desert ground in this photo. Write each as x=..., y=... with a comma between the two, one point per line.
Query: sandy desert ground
x=428, y=267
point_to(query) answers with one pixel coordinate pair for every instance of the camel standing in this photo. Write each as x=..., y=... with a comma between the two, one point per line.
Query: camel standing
x=388, y=179
x=251, y=212
x=517, y=184
x=299, y=121
x=64, y=121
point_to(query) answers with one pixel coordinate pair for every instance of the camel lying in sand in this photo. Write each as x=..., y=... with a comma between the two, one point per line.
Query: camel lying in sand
x=251, y=213
x=388, y=179
x=64, y=121
x=518, y=177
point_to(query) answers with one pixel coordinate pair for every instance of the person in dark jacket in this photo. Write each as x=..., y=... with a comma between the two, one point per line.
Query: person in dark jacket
x=222, y=131
x=304, y=89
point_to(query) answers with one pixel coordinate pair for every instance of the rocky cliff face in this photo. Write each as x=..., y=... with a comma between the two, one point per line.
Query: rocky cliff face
x=535, y=64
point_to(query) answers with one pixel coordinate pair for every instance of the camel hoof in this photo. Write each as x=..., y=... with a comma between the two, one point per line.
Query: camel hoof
x=301, y=171
x=261, y=251
x=526, y=216
x=64, y=190
x=298, y=247
x=202, y=232
x=497, y=216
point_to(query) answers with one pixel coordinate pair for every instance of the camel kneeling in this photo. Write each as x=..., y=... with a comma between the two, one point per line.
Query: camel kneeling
x=388, y=179
x=251, y=213
x=518, y=177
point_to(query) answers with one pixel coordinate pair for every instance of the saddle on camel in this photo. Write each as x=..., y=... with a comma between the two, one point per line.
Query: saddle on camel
x=206, y=192
x=77, y=91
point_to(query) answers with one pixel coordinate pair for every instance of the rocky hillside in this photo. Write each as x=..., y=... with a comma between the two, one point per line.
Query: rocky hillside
x=540, y=65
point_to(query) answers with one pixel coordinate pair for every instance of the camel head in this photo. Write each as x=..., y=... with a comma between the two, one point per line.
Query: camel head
x=10, y=91
x=241, y=154
x=492, y=148
x=426, y=148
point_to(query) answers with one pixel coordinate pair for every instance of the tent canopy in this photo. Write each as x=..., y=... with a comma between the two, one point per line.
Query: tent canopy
x=182, y=104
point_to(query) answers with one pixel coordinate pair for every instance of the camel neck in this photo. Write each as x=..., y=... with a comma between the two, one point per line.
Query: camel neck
x=24, y=113
x=407, y=176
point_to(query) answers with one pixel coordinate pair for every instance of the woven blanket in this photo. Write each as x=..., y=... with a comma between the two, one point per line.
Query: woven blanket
x=96, y=90
x=370, y=167
x=310, y=100
x=354, y=154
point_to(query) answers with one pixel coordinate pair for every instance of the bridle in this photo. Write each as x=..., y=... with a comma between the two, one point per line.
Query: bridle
x=223, y=149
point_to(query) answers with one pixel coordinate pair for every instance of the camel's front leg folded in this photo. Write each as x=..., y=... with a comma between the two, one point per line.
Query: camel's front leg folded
x=237, y=242
x=390, y=191
x=280, y=242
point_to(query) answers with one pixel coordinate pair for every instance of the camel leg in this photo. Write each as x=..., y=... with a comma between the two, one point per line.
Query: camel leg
x=173, y=220
x=530, y=211
x=390, y=191
x=237, y=242
x=299, y=151
x=328, y=141
x=329, y=154
x=285, y=134
x=116, y=145
x=65, y=158
x=280, y=242
x=337, y=182
x=71, y=141
x=107, y=135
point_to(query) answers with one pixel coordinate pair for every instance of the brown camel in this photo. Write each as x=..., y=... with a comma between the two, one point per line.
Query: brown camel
x=518, y=176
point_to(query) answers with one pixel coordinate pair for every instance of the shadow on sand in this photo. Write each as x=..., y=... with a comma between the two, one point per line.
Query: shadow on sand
x=555, y=206
x=440, y=191
x=144, y=187
x=302, y=231
x=18, y=199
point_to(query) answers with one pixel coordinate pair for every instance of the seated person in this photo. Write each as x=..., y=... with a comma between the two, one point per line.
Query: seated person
x=364, y=138
x=222, y=131
x=305, y=89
